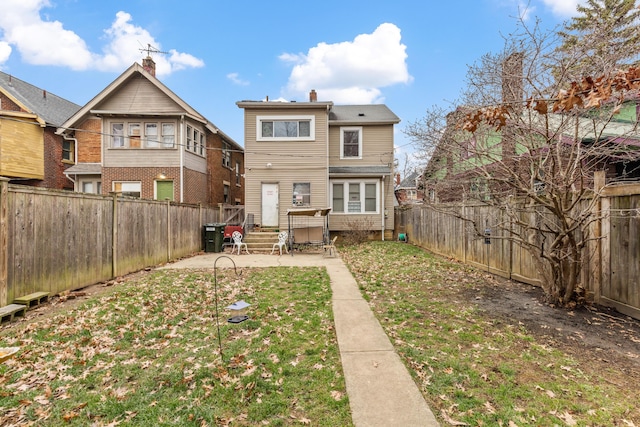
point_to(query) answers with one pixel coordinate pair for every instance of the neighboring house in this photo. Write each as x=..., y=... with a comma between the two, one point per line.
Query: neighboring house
x=138, y=138
x=460, y=173
x=30, y=151
x=317, y=155
x=408, y=191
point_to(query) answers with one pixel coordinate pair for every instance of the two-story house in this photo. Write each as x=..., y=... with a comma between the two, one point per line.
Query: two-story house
x=318, y=155
x=138, y=138
x=30, y=151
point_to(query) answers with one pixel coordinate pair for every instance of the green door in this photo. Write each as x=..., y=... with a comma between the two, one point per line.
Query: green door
x=164, y=190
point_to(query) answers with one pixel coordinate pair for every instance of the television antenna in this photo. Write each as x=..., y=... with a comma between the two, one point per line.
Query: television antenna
x=151, y=49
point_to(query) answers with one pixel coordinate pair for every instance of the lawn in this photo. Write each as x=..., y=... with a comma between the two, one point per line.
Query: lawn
x=147, y=353
x=482, y=368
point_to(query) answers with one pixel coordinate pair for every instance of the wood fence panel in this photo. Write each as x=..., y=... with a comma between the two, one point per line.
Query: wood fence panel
x=142, y=235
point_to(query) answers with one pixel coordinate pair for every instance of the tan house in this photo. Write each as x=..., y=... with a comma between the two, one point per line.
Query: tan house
x=302, y=155
x=30, y=151
x=138, y=138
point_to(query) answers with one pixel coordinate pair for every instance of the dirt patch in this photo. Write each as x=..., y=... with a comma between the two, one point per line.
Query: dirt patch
x=591, y=334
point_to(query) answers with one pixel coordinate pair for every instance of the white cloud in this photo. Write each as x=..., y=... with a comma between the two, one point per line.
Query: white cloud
x=5, y=52
x=350, y=72
x=42, y=42
x=563, y=8
x=235, y=78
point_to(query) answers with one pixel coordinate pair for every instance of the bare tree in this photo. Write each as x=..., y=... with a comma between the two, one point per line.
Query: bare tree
x=527, y=141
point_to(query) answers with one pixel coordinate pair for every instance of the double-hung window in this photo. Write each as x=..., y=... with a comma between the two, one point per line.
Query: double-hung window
x=137, y=134
x=355, y=197
x=68, y=150
x=283, y=128
x=226, y=154
x=117, y=135
x=168, y=135
x=351, y=143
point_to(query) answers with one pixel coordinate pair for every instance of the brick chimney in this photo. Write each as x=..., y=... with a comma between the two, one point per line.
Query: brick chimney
x=149, y=65
x=313, y=96
x=397, y=179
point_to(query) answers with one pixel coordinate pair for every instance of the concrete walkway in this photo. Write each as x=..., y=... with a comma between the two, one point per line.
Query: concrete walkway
x=381, y=391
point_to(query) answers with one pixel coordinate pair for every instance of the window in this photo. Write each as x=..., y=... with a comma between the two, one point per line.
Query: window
x=202, y=143
x=300, y=128
x=142, y=135
x=68, y=150
x=196, y=140
x=226, y=154
x=117, y=135
x=226, y=193
x=301, y=194
x=361, y=197
x=168, y=135
x=237, y=173
x=351, y=143
x=132, y=189
x=134, y=135
x=189, y=137
x=151, y=135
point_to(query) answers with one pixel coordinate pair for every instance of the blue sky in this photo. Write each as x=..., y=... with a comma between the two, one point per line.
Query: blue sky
x=409, y=55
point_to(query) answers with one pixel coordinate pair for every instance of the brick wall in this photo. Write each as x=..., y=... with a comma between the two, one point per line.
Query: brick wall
x=219, y=173
x=146, y=176
x=8, y=104
x=90, y=141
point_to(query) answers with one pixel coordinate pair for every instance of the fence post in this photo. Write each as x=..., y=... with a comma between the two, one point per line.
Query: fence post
x=114, y=236
x=599, y=181
x=169, y=242
x=4, y=240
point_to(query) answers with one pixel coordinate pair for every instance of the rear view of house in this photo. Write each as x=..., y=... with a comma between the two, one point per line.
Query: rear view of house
x=138, y=138
x=315, y=155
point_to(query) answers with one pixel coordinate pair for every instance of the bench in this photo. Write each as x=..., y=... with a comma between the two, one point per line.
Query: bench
x=32, y=299
x=8, y=311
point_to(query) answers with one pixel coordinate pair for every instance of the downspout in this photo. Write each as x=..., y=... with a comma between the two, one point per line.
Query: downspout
x=181, y=148
x=384, y=219
x=75, y=158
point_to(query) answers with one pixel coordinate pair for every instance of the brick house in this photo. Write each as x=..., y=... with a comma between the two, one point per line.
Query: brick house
x=139, y=138
x=30, y=151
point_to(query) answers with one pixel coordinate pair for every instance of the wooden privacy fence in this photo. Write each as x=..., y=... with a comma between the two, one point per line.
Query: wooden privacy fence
x=612, y=267
x=56, y=241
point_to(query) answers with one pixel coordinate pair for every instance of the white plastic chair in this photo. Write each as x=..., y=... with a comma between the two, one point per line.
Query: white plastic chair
x=237, y=241
x=282, y=241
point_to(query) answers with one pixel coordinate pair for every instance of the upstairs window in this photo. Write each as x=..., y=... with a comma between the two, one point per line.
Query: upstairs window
x=226, y=155
x=295, y=128
x=168, y=135
x=351, y=143
x=117, y=135
x=142, y=135
x=68, y=150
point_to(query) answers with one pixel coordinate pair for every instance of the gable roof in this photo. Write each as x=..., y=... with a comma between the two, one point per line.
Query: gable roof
x=362, y=114
x=137, y=70
x=409, y=181
x=53, y=109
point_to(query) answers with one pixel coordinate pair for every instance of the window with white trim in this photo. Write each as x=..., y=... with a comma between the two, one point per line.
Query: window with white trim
x=287, y=128
x=68, y=150
x=351, y=143
x=128, y=188
x=142, y=135
x=301, y=194
x=355, y=197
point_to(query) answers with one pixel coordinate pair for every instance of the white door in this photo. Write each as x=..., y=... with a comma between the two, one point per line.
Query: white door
x=269, y=205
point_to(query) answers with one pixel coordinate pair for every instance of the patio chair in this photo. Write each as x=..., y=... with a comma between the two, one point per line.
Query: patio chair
x=237, y=241
x=282, y=241
x=330, y=248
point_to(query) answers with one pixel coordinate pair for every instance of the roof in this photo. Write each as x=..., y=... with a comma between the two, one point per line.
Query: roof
x=134, y=71
x=53, y=109
x=362, y=114
x=410, y=180
x=84, y=169
x=360, y=170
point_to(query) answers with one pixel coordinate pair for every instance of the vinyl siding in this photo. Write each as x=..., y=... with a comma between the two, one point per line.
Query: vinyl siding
x=139, y=95
x=291, y=161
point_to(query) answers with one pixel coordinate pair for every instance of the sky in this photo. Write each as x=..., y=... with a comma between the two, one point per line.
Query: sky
x=407, y=54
